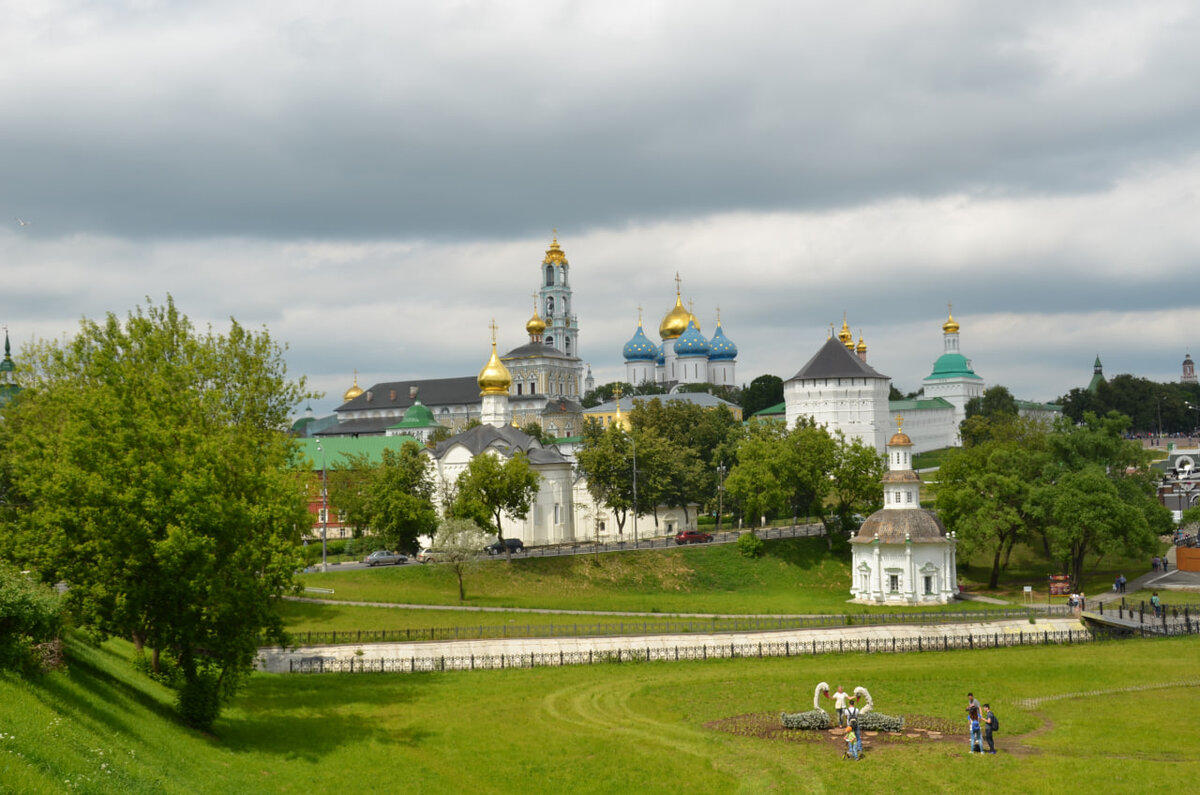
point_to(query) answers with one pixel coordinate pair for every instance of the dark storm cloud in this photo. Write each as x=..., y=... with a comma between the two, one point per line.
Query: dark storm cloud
x=482, y=120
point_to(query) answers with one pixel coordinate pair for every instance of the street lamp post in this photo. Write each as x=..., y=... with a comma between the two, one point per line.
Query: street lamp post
x=1195, y=408
x=720, y=493
x=324, y=509
x=633, y=446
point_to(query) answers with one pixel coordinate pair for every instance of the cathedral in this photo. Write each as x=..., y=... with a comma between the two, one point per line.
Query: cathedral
x=685, y=355
x=545, y=378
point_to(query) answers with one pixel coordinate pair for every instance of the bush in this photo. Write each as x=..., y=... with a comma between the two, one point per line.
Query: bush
x=200, y=700
x=30, y=618
x=750, y=545
x=878, y=722
x=813, y=720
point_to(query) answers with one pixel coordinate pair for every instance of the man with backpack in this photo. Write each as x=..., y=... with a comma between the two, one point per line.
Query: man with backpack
x=990, y=724
x=852, y=713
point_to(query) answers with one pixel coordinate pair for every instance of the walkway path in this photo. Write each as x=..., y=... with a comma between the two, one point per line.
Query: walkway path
x=1151, y=580
x=276, y=660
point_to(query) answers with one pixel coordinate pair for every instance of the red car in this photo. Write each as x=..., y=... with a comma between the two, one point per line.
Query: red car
x=693, y=537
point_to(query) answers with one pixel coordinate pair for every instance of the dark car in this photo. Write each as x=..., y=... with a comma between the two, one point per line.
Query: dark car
x=383, y=557
x=693, y=537
x=513, y=544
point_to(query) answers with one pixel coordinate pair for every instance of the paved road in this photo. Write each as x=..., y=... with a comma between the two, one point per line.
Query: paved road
x=276, y=660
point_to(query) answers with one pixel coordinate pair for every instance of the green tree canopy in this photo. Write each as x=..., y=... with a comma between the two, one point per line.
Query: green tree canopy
x=492, y=487
x=763, y=392
x=392, y=498
x=148, y=467
x=459, y=542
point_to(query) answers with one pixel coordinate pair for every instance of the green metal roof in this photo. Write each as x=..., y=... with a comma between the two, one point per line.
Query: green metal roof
x=771, y=411
x=918, y=404
x=952, y=365
x=417, y=415
x=337, y=447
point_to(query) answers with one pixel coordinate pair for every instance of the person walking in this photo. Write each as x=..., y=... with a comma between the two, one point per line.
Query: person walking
x=852, y=720
x=989, y=721
x=851, y=738
x=973, y=723
x=1156, y=603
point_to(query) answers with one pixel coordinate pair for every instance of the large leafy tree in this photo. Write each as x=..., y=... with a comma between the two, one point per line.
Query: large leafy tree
x=459, y=542
x=857, y=485
x=147, y=468
x=393, y=498
x=1098, y=495
x=607, y=460
x=492, y=487
x=757, y=483
x=988, y=492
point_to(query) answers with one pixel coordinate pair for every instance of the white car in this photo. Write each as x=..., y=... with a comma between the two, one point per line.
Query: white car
x=429, y=556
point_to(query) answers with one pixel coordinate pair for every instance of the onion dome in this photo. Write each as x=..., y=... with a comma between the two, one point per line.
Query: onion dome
x=720, y=347
x=691, y=342
x=660, y=358
x=640, y=348
x=862, y=345
x=494, y=378
x=675, y=322
x=536, y=325
x=554, y=254
x=899, y=438
x=353, y=391
x=951, y=325
x=845, y=334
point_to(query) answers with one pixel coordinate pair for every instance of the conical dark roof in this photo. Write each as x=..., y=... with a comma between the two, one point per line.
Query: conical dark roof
x=834, y=360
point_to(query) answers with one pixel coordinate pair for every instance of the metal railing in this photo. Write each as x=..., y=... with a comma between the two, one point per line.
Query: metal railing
x=706, y=651
x=664, y=542
x=648, y=626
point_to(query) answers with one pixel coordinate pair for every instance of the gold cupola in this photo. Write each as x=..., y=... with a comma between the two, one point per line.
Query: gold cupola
x=494, y=378
x=675, y=322
x=536, y=325
x=554, y=254
x=353, y=391
x=951, y=325
x=899, y=438
x=861, y=348
x=845, y=334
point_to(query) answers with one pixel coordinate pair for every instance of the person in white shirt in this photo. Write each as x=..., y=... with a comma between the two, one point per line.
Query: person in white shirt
x=839, y=703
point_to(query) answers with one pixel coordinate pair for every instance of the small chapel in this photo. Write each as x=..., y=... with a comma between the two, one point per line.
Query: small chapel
x=902, y=554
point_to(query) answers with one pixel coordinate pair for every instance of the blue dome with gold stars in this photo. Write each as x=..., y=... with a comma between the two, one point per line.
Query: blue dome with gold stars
x=720, y=347
x=640, y=348
x=691, y=342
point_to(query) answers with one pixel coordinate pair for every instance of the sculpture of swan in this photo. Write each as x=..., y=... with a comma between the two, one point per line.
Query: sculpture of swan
x=821, y=688
x=861, y=693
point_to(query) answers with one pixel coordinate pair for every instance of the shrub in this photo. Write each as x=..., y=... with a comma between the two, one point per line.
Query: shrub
x=200, y=700
x=878, y=722
x=750, y=545
x=813, y=720
x=30, y=616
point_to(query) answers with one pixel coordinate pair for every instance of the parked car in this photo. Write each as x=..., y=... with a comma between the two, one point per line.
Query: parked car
x=513, y=544
x=429, y=556
x=384, y=557
x=693, y=537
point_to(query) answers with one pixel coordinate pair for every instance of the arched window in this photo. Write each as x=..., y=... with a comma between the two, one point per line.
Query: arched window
x=566, y=306
x=549, y=275
x=567, y=342
x=550, y=341
x=531, y=391
x=549, y=306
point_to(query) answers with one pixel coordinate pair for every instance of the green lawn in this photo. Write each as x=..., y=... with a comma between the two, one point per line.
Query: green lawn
x=1028, y=566
x=611, y=728
x=794, y=576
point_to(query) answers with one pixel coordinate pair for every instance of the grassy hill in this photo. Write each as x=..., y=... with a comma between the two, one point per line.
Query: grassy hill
x=655, y=727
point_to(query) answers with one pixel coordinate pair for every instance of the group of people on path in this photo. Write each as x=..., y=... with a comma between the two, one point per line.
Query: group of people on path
x=982, y=722
x=848, y=713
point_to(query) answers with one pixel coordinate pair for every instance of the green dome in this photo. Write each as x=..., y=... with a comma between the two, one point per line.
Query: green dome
x=418, y=415
x=952, y=365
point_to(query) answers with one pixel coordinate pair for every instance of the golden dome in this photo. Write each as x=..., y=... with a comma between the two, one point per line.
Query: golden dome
x=674, y=322
x=353, y=391
x=494, y=378
x=899, y=438
x=535, y=325
x=845, y=335
x=554, y=254
x=862, y=345
x=951, y=325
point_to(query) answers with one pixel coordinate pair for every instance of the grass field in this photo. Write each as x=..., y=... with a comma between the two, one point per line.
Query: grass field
x=613, y=728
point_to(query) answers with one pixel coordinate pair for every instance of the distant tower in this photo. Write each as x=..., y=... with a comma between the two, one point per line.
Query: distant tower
x=562, y=328
x=8, y=380
x=1097, y=376
x=1189, y=368
x=952, y=378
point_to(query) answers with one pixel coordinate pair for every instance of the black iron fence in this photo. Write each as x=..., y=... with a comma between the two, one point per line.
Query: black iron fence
x=1156, y=619
x=662, y=542
x=706, y=651
x=662, y=626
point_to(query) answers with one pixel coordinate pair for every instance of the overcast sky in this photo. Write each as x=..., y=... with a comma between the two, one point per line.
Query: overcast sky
x=374, y=182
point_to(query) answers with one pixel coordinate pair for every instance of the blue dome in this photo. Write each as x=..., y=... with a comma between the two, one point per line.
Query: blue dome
x=660, y=358
x=691, y=342
x=640, y=348
x=720, y=347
